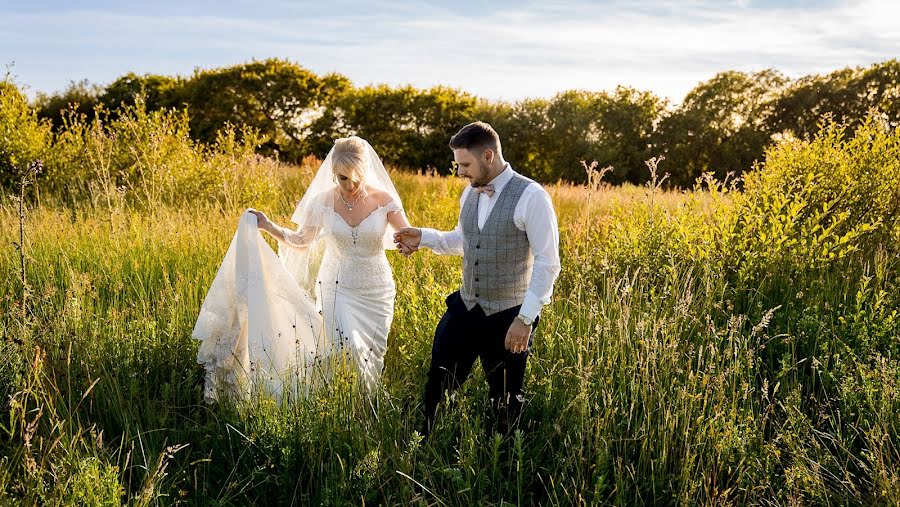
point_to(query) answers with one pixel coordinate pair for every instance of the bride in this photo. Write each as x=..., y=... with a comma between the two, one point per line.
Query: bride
x=267, y=320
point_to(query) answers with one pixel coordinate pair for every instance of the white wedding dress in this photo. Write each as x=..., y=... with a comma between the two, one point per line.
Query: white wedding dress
x=355, y=288
x=260, y=331
x=280, y=323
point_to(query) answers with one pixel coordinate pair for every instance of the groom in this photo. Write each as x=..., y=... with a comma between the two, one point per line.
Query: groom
x=509, y=241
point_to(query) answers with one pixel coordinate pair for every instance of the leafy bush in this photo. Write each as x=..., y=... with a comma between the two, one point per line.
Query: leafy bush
x=23, y=137
x=148, y=157
x=814, y=203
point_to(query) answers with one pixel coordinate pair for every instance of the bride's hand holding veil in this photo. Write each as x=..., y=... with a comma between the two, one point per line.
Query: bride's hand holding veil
x=295, y=239
x=262, y=221
x=330, y=291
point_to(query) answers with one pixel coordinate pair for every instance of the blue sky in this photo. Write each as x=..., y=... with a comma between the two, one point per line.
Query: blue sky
x=509, y=50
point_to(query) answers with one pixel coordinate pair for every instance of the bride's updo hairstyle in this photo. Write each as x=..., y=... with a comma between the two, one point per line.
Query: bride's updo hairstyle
x=349, y=158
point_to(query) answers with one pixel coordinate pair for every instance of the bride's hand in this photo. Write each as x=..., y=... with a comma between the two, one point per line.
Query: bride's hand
x=409, y=236
x=405, y=250
x=407, y=240
x=262, y=221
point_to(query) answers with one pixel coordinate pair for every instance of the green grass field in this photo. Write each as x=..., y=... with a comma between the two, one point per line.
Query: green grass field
x=708, y=347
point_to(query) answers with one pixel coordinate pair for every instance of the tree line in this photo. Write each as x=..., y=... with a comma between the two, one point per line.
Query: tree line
x=722, y=126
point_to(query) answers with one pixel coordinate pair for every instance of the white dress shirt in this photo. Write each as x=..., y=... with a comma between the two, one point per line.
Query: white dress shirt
x=535, y=216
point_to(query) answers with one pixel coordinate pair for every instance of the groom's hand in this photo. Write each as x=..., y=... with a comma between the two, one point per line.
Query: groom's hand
x=407, y=240
x=405, y=250
x=517, y=337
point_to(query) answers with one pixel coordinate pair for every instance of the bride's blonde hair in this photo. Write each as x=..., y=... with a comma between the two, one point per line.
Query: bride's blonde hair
x=349, y=158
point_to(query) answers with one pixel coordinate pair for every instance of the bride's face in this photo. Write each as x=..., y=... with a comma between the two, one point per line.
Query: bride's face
x=348, y=184
x=471, y=167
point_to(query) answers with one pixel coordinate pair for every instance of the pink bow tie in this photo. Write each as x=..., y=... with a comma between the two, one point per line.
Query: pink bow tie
x=486, y=189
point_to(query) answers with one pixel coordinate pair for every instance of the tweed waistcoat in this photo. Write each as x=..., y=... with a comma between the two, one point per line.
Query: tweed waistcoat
x=497, y=260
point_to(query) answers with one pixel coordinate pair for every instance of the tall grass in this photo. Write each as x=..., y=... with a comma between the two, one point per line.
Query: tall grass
x=709, y=347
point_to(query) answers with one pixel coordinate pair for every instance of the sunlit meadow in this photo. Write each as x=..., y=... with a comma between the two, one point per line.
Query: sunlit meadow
x=733, y=344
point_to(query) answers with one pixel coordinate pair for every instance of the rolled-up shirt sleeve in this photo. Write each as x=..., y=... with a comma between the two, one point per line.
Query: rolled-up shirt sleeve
x=543, y=235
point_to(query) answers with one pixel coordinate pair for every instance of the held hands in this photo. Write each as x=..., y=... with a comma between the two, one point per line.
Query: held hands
x=407, y=240
x=517, y=337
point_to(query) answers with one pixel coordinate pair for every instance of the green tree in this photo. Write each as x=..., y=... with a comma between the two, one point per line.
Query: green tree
x=612, y=128
x=277, y=98
x=847, y=95
x=571, y=134
x=408, y=127
x=722, y=126
x=157, y=91
x=625, y=125
x=522, y=127
x=79, y=97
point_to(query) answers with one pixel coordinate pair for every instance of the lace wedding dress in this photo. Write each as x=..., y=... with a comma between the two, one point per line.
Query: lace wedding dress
x=279, y=323
x=355, y=288
x=259, y=330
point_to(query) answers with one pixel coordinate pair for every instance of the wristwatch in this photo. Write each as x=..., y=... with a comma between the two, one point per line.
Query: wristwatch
x=525, y=320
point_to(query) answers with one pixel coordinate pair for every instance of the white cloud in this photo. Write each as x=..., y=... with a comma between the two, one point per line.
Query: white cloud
x=534, y=50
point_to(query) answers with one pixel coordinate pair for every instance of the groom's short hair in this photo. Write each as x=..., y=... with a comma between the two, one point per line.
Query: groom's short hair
x=476, y=137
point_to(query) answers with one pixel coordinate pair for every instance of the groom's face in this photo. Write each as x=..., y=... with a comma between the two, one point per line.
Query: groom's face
x=472, y=166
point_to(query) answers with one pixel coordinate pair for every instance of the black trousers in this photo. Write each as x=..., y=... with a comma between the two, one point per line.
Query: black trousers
x=464, y=335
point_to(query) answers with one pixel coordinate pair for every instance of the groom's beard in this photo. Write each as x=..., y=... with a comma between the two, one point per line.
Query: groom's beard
x=482, y=178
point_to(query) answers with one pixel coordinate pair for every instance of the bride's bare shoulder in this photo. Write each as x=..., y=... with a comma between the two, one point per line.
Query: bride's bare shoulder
x=380, y=196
